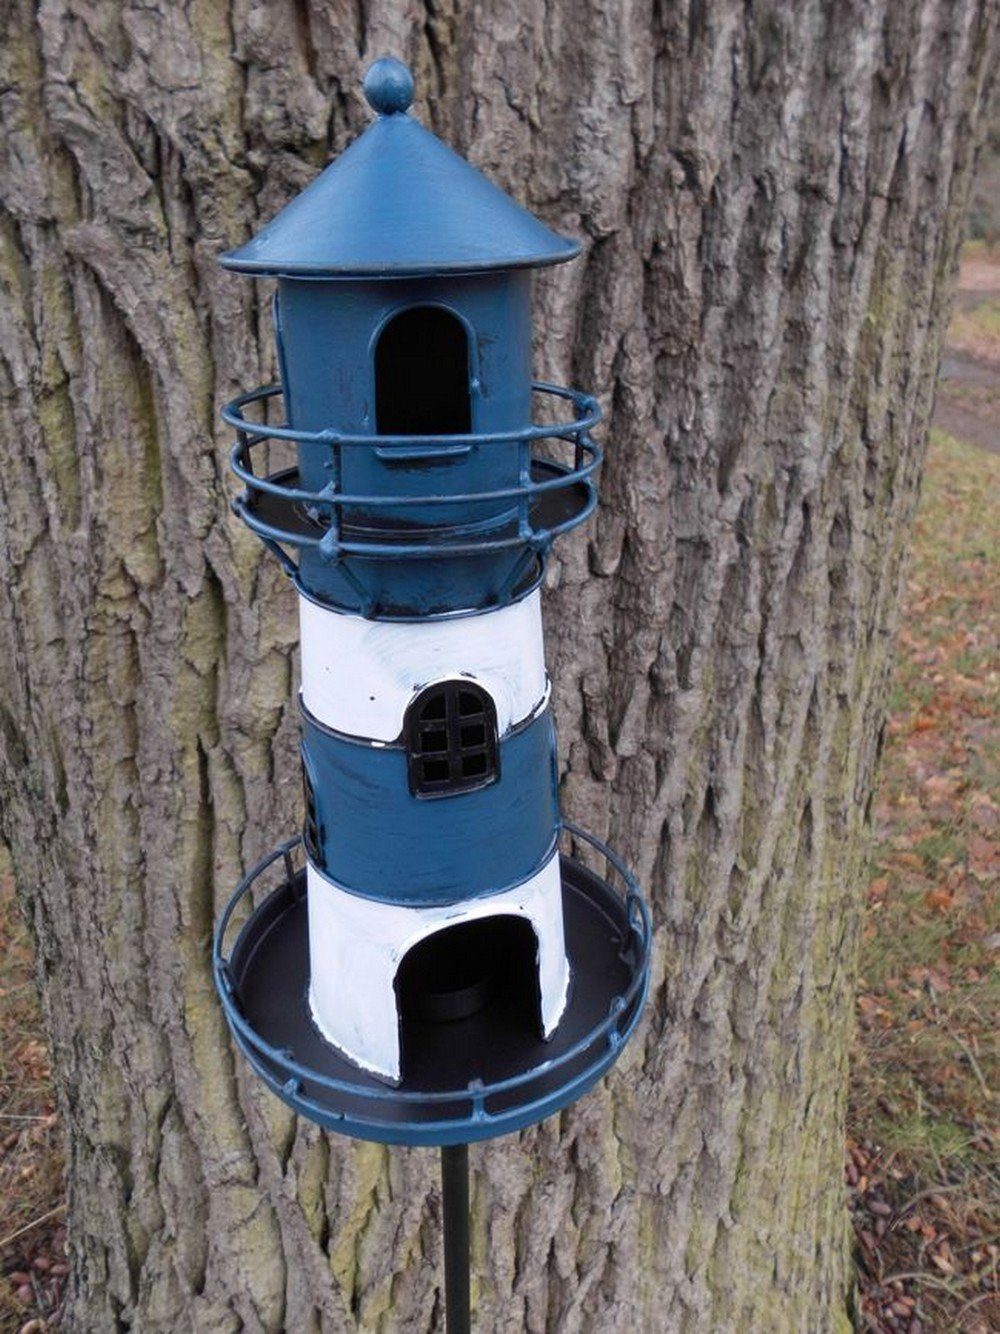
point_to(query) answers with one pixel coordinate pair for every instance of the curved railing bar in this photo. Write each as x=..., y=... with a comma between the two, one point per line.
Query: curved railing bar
x=328, y=496
x=416, y=551
x=431, y=550
x=475, y=1092
x=586, y=403
x=477, y=1116
x=327, y=506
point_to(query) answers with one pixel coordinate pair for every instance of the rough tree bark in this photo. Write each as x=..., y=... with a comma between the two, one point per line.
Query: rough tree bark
x=770, y=197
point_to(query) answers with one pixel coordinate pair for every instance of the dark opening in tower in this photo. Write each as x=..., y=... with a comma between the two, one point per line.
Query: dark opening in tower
x=422, y=374
x=490, y=964
x=310, y=823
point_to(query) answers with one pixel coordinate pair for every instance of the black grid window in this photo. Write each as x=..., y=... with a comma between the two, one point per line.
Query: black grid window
x=451, y=740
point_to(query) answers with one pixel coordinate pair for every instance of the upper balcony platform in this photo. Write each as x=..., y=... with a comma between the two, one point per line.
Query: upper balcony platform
x=417, y=550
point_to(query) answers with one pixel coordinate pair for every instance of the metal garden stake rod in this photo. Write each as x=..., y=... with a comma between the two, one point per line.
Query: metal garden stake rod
x=455, y=1211
x=407, y=977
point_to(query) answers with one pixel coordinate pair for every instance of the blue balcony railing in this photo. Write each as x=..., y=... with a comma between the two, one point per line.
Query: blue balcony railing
x=550, y=498
x=335, y=1094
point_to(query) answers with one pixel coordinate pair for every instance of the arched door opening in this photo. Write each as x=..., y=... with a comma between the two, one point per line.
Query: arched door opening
x=422, y=374
x=464, y=971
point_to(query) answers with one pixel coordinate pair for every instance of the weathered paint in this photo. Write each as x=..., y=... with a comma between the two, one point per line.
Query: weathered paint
x=356, y=946
x=358, y=676
x=379, y=841
x=422, y=517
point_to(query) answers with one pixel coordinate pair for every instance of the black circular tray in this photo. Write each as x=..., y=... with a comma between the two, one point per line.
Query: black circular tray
x=472, y=1078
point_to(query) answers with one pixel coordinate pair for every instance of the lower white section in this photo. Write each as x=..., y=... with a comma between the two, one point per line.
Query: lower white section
x=358, y=676
x=356, y=946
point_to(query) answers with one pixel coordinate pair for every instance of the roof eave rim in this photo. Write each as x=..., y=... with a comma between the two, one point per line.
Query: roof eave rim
x=262, y=269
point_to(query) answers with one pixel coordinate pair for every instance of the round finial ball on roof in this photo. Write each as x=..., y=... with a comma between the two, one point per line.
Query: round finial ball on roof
x=388, y=86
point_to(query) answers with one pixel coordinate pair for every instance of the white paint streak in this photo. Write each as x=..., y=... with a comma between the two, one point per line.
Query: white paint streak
x=358, y=676
x=356, y=946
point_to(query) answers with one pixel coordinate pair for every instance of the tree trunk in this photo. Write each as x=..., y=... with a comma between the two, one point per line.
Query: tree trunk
x=770, y=198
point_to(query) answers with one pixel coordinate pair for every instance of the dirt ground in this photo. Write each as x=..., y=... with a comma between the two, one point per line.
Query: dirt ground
x=921, y=1167
x=968, y=401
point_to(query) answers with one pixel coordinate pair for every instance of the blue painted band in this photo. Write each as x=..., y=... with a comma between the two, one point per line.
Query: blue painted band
x=432, y=590
x=520, y=591
x=424, y=903
x=379, y=841
x=388, y=591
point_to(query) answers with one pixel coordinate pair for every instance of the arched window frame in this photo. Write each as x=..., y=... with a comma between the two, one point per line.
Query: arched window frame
x=450, y=733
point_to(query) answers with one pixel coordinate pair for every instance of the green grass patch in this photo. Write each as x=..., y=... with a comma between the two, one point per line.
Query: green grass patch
x=975, y=327
x=935, y=1138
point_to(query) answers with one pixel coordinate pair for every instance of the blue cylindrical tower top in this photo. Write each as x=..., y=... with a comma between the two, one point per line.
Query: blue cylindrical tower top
x=403, y=325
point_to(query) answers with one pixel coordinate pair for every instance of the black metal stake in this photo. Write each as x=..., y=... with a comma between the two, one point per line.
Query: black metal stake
x=455, y=1194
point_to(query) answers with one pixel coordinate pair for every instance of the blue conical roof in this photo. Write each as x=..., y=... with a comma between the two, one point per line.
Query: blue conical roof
x=398, y=202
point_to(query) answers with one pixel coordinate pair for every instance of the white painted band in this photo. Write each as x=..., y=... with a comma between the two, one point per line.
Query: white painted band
x=356, y=946
x=358, y=676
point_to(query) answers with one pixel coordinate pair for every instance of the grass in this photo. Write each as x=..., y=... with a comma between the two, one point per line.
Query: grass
x=975, y=324
x=977, y=331
x=984, y=320
x=924, y=1120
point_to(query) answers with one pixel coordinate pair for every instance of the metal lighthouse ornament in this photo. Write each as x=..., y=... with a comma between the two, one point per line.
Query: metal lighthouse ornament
x=428, y=967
